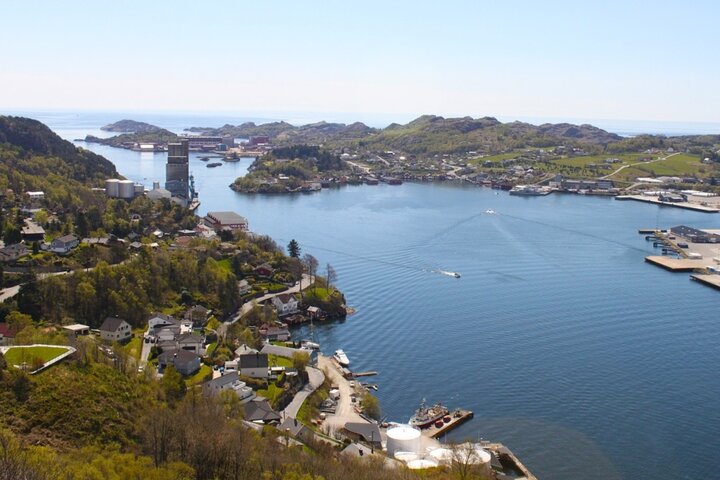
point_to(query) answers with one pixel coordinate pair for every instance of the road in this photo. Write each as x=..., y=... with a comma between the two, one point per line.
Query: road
x=345, y=411
x=638, y=163
x=316, y=378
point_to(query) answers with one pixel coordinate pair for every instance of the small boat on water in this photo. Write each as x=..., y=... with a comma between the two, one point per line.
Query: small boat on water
x=426, y=416
x=341, y=358
x=490, y=211
x=213, y=165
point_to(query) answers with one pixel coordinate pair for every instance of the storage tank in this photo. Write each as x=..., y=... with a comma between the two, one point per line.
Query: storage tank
x=139, y=189
x=126, y=189
x=422, y=463
x=111, y=187
x=406, y=456
x=403, y=438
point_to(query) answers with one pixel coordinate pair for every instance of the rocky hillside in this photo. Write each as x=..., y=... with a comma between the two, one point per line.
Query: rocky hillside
x=284, y=133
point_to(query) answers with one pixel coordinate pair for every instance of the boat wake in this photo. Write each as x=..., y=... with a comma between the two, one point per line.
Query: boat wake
x=449, y=274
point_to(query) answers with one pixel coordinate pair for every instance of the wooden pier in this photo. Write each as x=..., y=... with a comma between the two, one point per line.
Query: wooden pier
x=364, y=374
x=457, y=418
x=709, y=280
x=676, y=264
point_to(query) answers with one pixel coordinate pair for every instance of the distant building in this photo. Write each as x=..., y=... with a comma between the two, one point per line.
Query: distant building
x=253, y=365
x=7, y=334
x=63, y=245
x=229, y=221
x=177, y=171
x=285, y=304
x=184, y=361
x=77, y=329
x=13, y=252
x=259, y=140
x=158, y=193
x=32, y=232
x=230, y=382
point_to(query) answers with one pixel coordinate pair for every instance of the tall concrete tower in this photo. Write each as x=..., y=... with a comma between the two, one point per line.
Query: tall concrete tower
x=177, y=170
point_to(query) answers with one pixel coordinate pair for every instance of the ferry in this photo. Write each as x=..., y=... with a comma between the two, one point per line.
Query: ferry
x=341, y=358
x=426, y=416
x=529, y=191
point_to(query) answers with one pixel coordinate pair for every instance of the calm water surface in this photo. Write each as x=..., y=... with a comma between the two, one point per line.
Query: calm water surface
x=586, y=361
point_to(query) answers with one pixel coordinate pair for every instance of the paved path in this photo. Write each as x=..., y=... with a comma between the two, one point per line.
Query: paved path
x=316, y=378
x=638, y=163
x=345, y=411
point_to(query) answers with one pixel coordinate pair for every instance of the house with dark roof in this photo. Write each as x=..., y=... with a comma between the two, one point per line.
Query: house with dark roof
x=274, y=332
x=198, y=315
x=260, y=411
x=184, y=361
x=264, y=270
x=230, y=382
x=32, y=232
x=285, y=304
x=192, y=342
x=115, y=329
x=160, y=320
x=364, y=431
x=297, y=430
x=7, y=334
x=253, y=365
x=13, y=252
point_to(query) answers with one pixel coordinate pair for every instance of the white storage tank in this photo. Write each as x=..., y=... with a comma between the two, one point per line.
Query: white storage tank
x=126, y=189
x=406, y=456
x=139, y=189
x=422, y=463
x=111, y=187
x=403, y=438
x=464, y=453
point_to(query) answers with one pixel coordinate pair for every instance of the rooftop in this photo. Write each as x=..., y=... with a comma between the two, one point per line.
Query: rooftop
x=227, y=218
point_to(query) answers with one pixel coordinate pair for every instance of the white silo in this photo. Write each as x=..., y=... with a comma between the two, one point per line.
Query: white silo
x=111, y=187
x=126, y=189
x=139, y=189
x=403, y=438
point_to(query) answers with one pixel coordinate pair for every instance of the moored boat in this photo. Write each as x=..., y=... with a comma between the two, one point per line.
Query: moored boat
x=341, y=358
x=426, y=416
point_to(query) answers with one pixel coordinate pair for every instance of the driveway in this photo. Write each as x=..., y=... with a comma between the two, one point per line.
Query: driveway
x=316, y=378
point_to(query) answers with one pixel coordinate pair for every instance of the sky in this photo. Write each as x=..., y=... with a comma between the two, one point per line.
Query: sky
x=641, y=60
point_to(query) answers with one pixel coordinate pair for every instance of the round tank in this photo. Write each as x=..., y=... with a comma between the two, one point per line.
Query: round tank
x=139, y=189
x=406, y=456
x=422, y=463
x=111, y=187
x=403, y=438
x=442, y=455
x=126, y=189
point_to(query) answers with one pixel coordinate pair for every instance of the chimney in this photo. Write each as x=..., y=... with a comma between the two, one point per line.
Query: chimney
x=156, y=185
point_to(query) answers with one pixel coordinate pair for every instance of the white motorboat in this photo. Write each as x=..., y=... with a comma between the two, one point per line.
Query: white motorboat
x=341, y=358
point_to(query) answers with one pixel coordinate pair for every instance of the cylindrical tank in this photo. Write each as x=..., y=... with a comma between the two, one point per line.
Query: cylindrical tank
x=126, y=189
x=422, y=463
x=111, y=187
x=405, y=456
x=403, y=438
x=139, y=189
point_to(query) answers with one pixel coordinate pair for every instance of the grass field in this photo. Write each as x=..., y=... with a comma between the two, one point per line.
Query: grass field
x=200, y=375
x=18, y=355
x=496, y=158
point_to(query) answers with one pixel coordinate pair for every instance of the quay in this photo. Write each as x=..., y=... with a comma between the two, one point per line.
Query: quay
x=676, y=264
x=685, y=205
x=709, y=280
x=364, y=374
x=508, y=461
x=457, y=418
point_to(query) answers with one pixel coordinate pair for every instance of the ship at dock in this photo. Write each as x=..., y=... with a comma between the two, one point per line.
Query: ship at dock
x=529, y=190
x=426, y=416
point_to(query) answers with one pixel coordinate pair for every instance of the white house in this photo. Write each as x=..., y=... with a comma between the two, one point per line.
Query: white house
x=230, y=382
x=63, y=245
x=115, y=329
x=285, y=304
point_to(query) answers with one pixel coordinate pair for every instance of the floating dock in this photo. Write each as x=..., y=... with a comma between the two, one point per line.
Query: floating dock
x=709, y=280
x=364, y=374
x=457, y=418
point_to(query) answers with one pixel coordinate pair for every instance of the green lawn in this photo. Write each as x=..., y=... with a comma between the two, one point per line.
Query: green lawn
x=272, y=393
x=276, y=361
x=134, y=346
x=199, y=376
x=225, y=265
x=495, y=158
x=18, y=355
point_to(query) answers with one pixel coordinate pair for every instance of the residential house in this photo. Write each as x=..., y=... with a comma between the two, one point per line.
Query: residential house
x=77, y=329
x=198, y=315
x=32, y=232
x=244, y=350
x=264, y=270
x=115, y=329
x=291, y=426
x=13, y=252
x=243, y=287
x=363, y=431
x=230, y=382
x=63, y=245
x=314, y=313
x=285, y=304
x=192, y=342
x=7, y=334
x=253, y=365
x=160, y=320
x=260, y=411
x=184, y=361
x=275, y=333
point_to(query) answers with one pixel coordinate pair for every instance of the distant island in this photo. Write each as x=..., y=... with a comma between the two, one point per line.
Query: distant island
x=131, y=126
x=135, y=136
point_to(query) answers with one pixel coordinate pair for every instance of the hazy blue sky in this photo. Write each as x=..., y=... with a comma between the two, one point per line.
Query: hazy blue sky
x=652, y=60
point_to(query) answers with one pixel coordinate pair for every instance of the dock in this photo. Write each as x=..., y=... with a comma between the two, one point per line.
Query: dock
x=364, y=374
x=709, y=280
x=457, y=418
x=676, y=264
x=685, y=205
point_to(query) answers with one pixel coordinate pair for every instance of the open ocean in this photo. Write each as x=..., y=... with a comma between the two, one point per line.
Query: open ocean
x=570, y=349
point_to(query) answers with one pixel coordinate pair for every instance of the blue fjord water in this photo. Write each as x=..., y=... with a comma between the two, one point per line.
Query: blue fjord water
x=583, y=359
